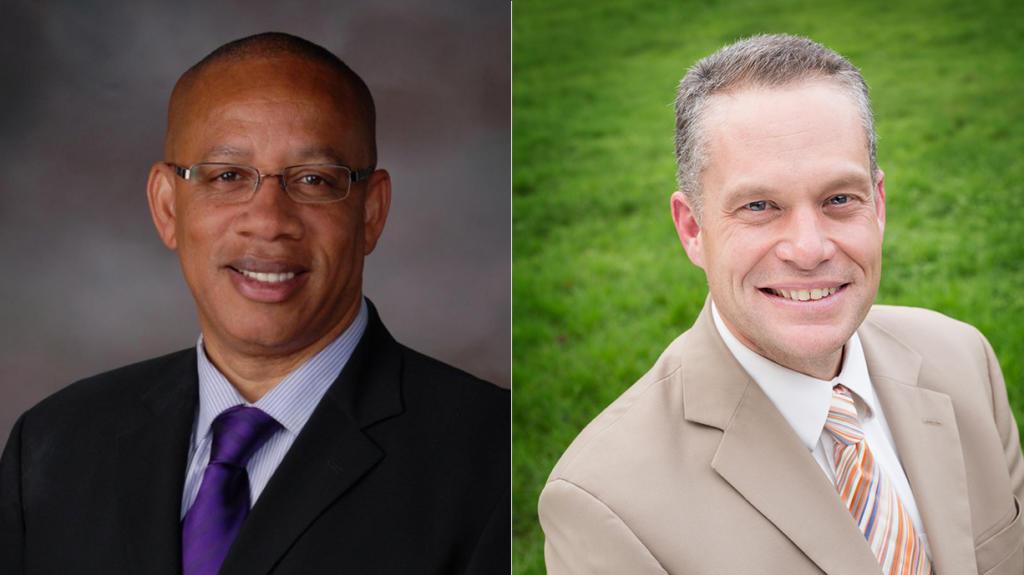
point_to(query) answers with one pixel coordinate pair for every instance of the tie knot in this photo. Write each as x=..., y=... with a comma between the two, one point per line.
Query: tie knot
x=842, y=420
x=238, y=432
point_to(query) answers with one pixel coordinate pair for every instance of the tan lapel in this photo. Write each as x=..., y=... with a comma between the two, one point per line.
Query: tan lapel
x=765, y=461
x=923, y=426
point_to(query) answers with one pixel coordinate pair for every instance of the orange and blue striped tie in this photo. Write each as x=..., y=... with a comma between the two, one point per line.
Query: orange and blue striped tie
x=870, y=496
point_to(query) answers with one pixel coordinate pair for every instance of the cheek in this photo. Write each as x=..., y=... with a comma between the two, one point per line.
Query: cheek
x=863, y=245
x=737, y=251
x=201, y=232
x=337, y=238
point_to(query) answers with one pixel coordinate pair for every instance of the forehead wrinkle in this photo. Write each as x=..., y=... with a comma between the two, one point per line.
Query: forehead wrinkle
x=315, y=154
x=190, y=100
x=228, y=133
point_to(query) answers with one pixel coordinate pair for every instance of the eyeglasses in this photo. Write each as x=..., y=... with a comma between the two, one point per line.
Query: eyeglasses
x=237, y=183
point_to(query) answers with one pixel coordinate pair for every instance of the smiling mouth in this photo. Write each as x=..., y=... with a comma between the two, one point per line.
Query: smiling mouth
x=266, y=277
x=813, y=294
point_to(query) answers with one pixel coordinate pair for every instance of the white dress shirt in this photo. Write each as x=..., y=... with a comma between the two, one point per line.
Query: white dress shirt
x=291, y=402
x=804, y=403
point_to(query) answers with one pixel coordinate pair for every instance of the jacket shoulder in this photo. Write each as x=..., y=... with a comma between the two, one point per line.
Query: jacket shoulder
x=439, y=398
x=116, y=387
x=953, y=357
x=653, y=400
x=424, y=381
x=915, y=320
x=930, y=333
x=445, y=380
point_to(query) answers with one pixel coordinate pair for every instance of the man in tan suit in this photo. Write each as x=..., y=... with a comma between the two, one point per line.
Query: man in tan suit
x=732, y=454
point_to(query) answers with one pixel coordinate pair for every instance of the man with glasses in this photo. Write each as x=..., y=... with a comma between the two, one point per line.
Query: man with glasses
x=297, y=436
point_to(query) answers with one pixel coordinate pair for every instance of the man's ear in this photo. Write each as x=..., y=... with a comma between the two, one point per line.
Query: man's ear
x=161, y=195
x=880, y=201
x=687, y=227
x=375, y=208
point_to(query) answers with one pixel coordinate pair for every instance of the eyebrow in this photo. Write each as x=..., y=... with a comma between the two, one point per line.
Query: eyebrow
x=225, y=151
x=743, y=191
x=319, y=153
x=847, y=181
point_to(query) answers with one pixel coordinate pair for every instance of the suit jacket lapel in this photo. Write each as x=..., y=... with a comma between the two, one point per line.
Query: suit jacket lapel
x=764, y=460
x=923, y=426
x=328, y=457
x=151, y=458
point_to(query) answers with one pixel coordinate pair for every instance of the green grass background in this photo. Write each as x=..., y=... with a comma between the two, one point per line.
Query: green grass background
x=600, y=282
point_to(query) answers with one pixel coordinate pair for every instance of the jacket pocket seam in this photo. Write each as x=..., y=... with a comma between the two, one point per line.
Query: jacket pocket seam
x=1009, y=539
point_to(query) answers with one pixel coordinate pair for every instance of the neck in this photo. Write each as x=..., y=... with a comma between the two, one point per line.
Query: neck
x=253, y=371
x=819, y=368
x=254, y=376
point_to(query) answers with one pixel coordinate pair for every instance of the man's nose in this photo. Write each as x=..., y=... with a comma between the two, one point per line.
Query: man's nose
x=805, y=242
x=271, y=214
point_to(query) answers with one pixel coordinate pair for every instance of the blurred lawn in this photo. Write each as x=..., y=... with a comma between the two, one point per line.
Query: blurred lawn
x=600, y=282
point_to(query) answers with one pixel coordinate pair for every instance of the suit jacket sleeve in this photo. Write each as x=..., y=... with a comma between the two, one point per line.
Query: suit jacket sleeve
x=12, y=532
x=1005, y=422
x=583, y=535
x=1003, y=551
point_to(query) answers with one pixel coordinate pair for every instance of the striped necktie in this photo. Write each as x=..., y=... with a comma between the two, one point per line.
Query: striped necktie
x=222, y=503
x=869, y=494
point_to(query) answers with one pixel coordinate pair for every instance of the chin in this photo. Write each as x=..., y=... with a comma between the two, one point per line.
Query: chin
x=805, y=346
x=263, y=333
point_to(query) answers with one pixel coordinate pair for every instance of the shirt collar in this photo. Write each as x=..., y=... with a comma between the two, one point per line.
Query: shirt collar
x=292, y=400
x=804, y=400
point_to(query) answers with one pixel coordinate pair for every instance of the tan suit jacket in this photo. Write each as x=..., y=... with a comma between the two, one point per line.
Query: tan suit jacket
x=693, y=470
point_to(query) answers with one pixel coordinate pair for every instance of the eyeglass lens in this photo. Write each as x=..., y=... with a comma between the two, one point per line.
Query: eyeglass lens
x=231, y=183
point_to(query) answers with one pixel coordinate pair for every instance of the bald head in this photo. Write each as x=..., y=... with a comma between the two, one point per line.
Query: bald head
x=295, y=60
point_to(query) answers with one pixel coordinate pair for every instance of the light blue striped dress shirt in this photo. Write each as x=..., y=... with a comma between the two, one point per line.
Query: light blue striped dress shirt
x=290, y=402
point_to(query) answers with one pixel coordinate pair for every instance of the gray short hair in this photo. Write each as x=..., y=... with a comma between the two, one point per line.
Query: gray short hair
x=766, y=60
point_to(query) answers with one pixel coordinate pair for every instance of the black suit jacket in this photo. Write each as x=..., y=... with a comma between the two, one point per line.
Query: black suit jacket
x=404, y=467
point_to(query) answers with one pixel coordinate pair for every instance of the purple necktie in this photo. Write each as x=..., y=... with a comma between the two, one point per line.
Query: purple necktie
x=222, y=503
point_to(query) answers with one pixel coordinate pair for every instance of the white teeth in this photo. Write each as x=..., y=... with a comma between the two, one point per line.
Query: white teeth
x=805, y=295
x=268, y=278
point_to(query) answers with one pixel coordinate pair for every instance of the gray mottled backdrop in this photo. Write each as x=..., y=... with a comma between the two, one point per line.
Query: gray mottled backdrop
x=88, y=286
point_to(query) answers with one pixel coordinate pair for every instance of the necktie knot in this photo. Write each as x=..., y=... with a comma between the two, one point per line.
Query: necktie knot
x=238, y=433
x=842, y=421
